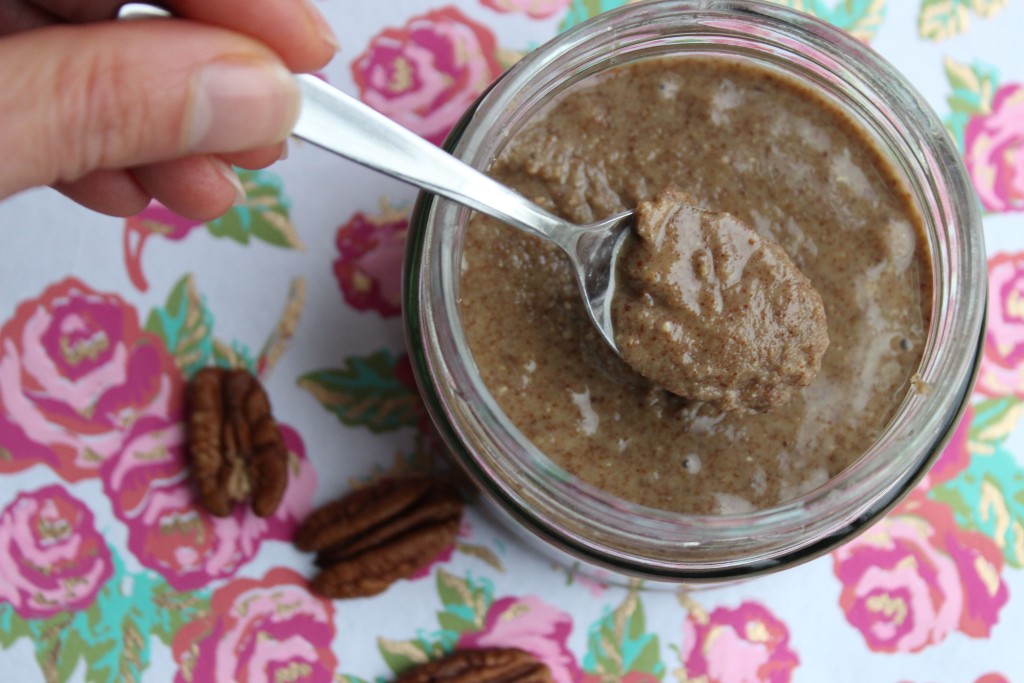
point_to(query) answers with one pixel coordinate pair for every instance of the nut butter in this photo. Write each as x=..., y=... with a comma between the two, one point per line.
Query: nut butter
x=737, y=138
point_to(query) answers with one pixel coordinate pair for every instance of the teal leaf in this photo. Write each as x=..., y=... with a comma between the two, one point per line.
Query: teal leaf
x=618, y=643
x=988, y=497
x=264, y=216
x=185, y=325
x=366, y=393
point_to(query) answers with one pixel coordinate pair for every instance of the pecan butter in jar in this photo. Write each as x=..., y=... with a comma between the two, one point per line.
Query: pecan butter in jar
x=803, y=134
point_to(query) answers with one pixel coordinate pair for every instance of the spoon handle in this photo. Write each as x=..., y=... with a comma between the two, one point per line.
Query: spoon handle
x=344, y=125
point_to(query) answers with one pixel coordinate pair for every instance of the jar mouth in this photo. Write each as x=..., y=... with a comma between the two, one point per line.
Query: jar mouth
x=656, y=543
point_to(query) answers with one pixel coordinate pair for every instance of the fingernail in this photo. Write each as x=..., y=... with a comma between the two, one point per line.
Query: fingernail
x=319, y=22
x=238, y=106
x=229, y=174
x=284, y=151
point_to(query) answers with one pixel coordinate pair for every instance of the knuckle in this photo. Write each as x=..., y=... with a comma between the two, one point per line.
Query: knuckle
x=100, y=113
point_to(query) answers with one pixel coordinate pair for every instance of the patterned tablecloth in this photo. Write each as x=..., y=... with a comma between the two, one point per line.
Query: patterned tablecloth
x=109, y=571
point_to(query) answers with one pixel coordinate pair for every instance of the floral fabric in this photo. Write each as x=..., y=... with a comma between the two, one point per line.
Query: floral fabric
x=109, y=570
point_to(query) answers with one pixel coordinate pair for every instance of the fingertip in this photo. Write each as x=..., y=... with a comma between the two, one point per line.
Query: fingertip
x=200, y=188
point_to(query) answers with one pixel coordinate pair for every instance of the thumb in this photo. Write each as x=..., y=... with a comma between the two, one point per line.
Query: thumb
x=115, y=95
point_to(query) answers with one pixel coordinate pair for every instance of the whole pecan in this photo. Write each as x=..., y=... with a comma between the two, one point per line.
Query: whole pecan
x=236, y=448
x=379, y=534
x=495, y=665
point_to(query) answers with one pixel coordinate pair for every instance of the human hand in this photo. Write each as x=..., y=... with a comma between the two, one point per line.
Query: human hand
x=113, y=114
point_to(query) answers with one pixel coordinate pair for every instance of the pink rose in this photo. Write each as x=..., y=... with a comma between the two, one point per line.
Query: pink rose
x=955, y=458
x=1002, y=361
x=369, y=264
x=259, y=632
x=915, y=577
x=155, y=219
x=52, y=559
x=168, y=530
x=538, y=9
x=530, y=625
x=994, y=151
x=425, y=74
x=743, y=645
x=76, y=372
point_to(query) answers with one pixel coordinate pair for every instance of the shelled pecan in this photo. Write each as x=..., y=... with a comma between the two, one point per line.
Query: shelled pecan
x=377, y=535
x=480, y=666
x=237, y=452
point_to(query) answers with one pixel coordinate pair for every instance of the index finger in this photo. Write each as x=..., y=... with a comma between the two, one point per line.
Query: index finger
x=294, y=29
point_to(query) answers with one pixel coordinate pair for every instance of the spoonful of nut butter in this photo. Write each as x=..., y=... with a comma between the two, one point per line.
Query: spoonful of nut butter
x=712, y=311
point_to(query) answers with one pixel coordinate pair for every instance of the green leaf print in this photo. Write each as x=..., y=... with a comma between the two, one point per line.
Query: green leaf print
x=861, y=18
x=943, y=19
x=400, y=655
x=619, y=643
x=466, y=602
x=264, y=216
x=972, y=89
x=988, y=497
x=185, y=325
x=12, y=626
x=366, y=393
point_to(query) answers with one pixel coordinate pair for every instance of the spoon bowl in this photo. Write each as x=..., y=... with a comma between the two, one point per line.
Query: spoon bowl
x=342, y=124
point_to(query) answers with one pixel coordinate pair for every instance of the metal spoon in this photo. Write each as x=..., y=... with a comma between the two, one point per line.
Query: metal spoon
x=344, y=125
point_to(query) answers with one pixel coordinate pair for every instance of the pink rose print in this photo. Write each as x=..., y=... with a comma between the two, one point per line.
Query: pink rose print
x=52, y=559
x=994, y=151
x=260, y=631
x=169, y=531
x=1002, y=361
x=425, y=74
x=369, y=264
x=915, y=577
x=537, y=9
x=954, y=458
x=743, y=645
x=993, y=678
x=76, y=372
x=155, y=219
x=533, y=626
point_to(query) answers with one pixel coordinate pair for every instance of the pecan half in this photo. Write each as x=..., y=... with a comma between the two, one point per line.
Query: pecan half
x=480, y=666
x=377, y=535
x=236, y=447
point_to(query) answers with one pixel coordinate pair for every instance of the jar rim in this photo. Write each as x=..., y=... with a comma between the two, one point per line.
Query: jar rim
x=863, y=494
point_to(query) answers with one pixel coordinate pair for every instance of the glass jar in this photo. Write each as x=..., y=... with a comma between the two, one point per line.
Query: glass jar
x=610, y=532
